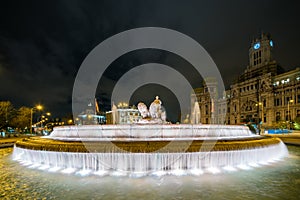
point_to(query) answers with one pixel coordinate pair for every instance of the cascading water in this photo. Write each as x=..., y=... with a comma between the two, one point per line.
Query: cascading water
x=224, y=151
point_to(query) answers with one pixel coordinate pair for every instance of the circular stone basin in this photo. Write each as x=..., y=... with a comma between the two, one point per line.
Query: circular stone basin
x=148, y=149
x=149, y=132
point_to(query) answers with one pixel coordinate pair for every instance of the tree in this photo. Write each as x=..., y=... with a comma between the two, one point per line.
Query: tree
x=22, y=119
x=7, y=113
x=297, y=123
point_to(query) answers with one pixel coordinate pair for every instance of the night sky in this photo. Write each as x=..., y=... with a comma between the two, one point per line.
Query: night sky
x=43, y=43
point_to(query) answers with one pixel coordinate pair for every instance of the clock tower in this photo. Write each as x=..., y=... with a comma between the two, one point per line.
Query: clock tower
x=260, y=52
x=261, y=59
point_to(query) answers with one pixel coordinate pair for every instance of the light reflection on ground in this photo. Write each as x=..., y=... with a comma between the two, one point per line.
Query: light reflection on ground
x=277, y=181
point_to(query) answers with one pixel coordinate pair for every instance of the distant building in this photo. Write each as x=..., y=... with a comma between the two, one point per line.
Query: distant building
x=123, y=115
x=91, y=116
x=264, y=93
x=212, y=107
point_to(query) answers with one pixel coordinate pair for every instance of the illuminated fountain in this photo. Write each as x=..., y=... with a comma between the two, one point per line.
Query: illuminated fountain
x=150, y=147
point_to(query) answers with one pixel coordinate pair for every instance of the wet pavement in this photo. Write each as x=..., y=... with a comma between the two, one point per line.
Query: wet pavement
x=288, y=138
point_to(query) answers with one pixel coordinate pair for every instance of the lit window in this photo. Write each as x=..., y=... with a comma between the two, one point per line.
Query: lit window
x=282, y=81
x=287, y=80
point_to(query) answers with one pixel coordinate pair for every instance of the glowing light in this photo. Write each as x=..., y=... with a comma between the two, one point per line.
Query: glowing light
x=244, y=167
x=196, y=172
x=25, y=163
x=229, y=168
x=178, y=172
x=253, y=164
x=277, y=159
x=159, y=173
x=271, y=161
x=17, y=158
x=256, y=45
x=54, y=169
x=101, y=173
x=39, y=107
x=213, y=170
x=263, y=163
x=68, y=170
x=122, y=105
x=34, y=166
x=84, y=172
x=118, y=173
x=44, y=167
x=138, y=174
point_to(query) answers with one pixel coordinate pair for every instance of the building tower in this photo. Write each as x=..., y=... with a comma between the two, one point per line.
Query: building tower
x=261, y=58
x=260, y=52
x=264, y=94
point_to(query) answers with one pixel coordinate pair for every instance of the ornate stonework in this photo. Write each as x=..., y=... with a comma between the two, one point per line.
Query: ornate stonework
x=156, y=113
x=263, y=93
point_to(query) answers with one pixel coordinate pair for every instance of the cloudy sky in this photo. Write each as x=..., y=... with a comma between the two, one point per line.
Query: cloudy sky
x=43, y=43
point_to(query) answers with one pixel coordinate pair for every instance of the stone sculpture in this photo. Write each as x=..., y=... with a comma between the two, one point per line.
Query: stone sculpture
x=155, y=114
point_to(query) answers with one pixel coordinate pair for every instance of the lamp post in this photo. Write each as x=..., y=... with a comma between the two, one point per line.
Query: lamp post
x=43, y=120
x=262, y=112
x=38, y=107
x=289, y=116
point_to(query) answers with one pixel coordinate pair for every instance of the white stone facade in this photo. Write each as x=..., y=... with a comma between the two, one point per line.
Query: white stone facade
x=263, y=93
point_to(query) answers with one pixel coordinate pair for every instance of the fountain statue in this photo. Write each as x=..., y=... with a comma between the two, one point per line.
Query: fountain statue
x=150, y=147
x=156, y=113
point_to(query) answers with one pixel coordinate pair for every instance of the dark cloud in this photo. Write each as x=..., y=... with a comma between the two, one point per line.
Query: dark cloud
x=42, y=43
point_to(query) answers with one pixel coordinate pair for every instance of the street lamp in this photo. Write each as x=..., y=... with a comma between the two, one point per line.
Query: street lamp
x=289, y=116
x=262, y=111
x=43, y=119
x=38, y=107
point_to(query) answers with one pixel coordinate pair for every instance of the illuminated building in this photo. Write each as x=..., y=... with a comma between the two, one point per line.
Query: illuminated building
x=263, y=94
x=122, y=114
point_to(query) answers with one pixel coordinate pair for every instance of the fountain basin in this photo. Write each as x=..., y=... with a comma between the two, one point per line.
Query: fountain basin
x=146, y=146
x=145, y=131
x=148, y=149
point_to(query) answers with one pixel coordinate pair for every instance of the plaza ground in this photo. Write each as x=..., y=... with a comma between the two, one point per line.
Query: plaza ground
x=288, y=138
